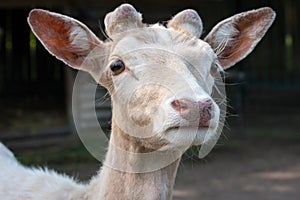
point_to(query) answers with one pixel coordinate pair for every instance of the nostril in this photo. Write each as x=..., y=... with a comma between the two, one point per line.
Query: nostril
x=180, y=105
x=206, y=105
x=208, y=102
x=206, y=109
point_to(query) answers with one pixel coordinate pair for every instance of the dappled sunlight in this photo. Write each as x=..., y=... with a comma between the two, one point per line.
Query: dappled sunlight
x=277, y=181
x=280, y=175
x=185, y=194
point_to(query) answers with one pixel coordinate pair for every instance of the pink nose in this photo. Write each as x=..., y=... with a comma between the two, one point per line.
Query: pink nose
x=197, y=113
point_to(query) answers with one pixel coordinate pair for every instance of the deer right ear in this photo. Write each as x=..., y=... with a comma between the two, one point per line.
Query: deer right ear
x=234, y=38
x=66, y=38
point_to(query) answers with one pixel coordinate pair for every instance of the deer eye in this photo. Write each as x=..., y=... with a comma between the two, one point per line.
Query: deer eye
x=117, y=67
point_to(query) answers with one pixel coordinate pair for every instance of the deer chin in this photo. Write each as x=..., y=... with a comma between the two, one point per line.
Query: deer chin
x=203, y=135
x=183, y=137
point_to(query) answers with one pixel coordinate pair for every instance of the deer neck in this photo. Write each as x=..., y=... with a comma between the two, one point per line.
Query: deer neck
x=116, y=184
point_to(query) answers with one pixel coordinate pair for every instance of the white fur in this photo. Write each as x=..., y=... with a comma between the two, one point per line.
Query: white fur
x=79, y=38
x=30, y=180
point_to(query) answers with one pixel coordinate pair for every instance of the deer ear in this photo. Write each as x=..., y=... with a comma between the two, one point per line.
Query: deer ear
x=66, y=38
x=123, y=18
x=234, y=38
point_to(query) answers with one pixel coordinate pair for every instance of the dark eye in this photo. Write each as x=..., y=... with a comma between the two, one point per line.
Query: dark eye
x=117, y=67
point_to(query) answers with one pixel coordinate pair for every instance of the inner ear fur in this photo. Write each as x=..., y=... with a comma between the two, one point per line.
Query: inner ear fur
x=234, y=38
x=66, y=38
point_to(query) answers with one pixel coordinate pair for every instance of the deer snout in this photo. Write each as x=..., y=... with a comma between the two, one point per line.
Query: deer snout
x=197, y=113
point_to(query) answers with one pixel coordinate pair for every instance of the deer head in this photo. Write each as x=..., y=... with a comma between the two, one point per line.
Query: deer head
x=160, y=78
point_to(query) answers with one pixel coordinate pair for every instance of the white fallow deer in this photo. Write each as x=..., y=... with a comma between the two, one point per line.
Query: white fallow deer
x=160, y=79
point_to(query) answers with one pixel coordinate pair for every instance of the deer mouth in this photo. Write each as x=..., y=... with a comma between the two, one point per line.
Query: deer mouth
x=200, y=127
x=186, y=136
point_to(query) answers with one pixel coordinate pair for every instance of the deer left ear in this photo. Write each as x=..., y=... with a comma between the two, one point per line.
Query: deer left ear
x=234, y=38
x=69, y=40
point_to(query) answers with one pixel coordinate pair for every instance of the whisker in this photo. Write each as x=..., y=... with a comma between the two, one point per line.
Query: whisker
x=103, y=31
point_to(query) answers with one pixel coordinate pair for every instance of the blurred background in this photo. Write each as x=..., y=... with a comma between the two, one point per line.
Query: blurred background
x=258, y=155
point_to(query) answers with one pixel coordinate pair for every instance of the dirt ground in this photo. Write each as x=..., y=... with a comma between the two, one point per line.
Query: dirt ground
x=243, y=169
x=262, y=171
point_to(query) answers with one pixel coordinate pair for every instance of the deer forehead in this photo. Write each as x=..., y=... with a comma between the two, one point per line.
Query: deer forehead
x=161, y=46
